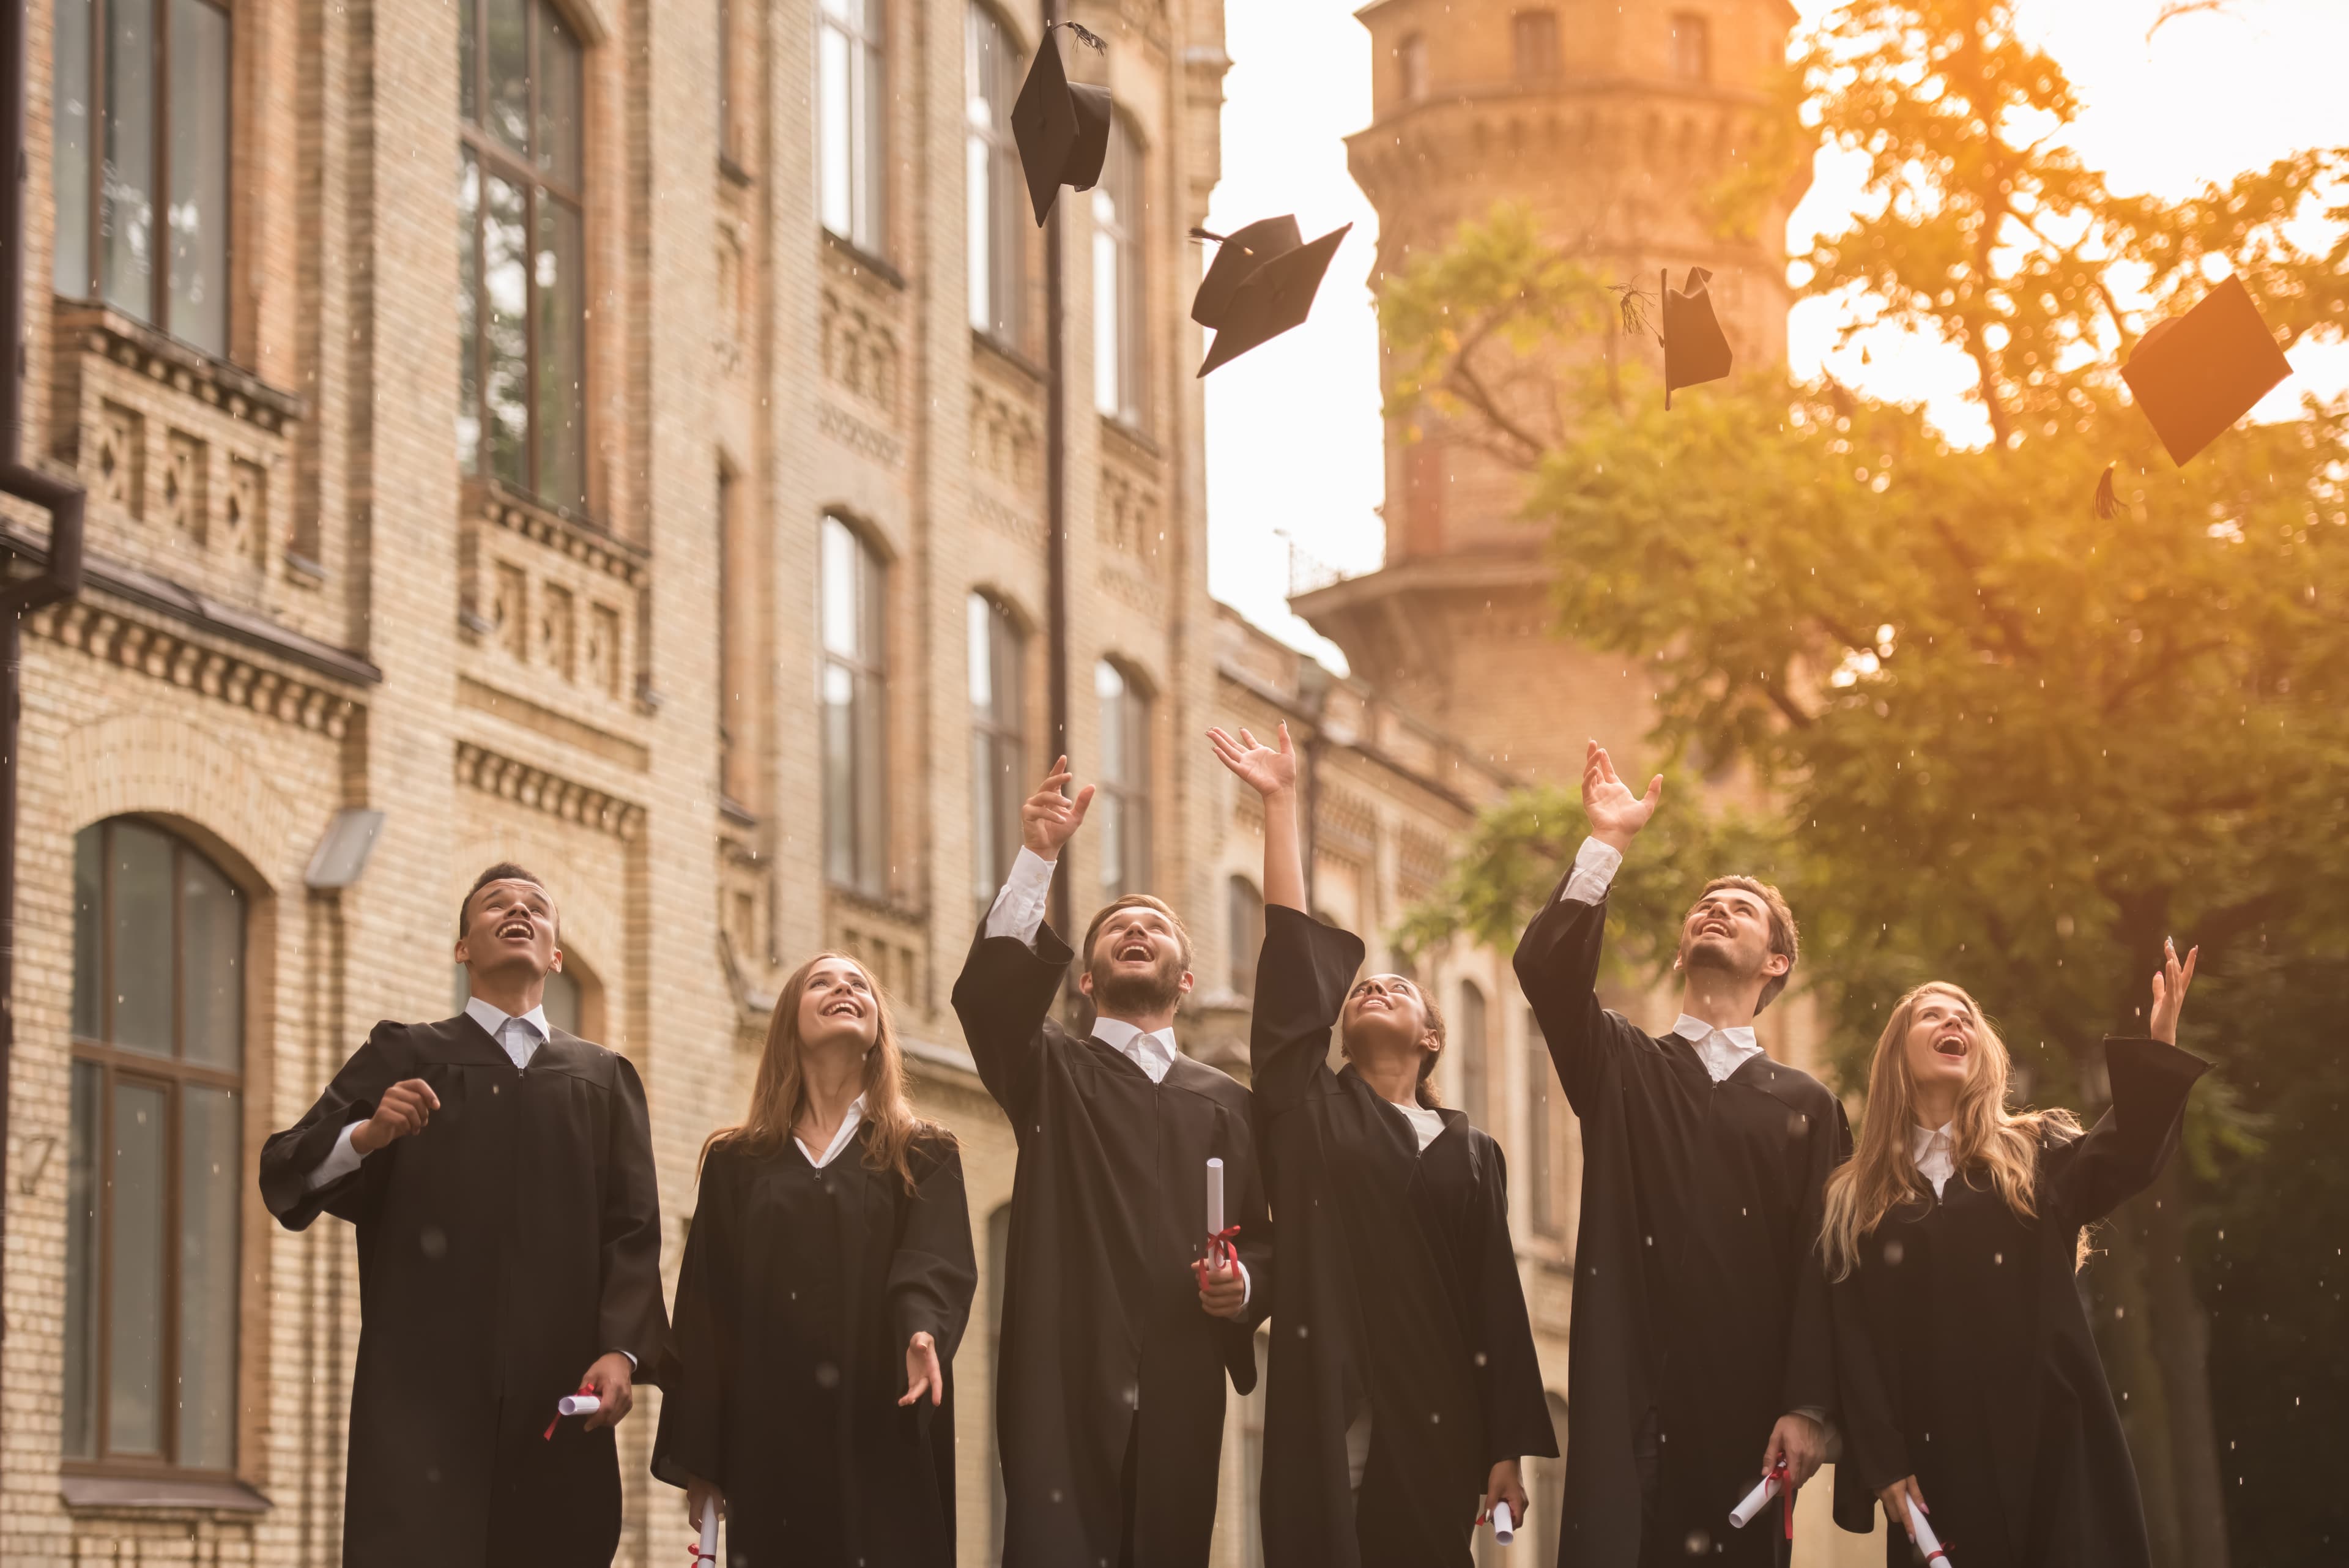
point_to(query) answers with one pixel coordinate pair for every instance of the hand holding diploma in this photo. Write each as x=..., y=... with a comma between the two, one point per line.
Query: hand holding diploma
x=613, y=1381
x=1904, y=1503
x=922, y=1373
x=703, y=1507
x=1222, y=1290
x=1757, y=1500
x=1504, y=1500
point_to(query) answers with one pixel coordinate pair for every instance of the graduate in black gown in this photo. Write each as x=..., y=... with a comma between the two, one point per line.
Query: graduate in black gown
x=1110, y=1410
x=1701, y=1351
x=1971, y=1382
x=1402, y=1388
x=827, y=1278
x=500, y=1174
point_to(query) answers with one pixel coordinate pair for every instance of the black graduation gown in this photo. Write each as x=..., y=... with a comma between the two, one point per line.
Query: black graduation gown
x=1701, y=1308
x=1398, y=1287
x=799, y=1291
x=1102, y=1335
x=503, y=1251
x=1967, y=1359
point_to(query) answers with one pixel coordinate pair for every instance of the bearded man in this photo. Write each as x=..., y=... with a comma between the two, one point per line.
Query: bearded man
x=1110, y=1404
x=1700, y=1355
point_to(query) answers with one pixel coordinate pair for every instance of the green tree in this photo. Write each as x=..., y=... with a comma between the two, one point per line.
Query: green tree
x=2006, y=741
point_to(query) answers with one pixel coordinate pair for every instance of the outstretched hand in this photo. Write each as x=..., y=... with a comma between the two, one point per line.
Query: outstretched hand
x=2169, y=983
x=1262, y=769
x=1616, y=814
x=1048, y=818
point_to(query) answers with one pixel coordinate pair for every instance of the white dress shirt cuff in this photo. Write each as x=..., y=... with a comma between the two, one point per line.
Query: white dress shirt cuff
x=1595, y=864
x=1247, y=1288
x=340, y=1161
x=1019, y=910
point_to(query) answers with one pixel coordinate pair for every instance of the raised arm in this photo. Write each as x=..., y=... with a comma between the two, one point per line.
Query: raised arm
x=1303, y=970
x=313, y=1167
x=2139, y=1131
x=1557, y=960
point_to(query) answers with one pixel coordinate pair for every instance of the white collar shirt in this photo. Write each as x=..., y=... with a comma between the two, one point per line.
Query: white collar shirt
x=518, y=1037
x=1154, y=1053
x=1722, y=1051
x=848, y=1126
x=1934, y=1151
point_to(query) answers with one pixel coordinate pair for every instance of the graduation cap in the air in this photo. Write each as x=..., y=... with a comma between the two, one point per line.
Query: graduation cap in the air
x=1261, y=283
x=1062, y=127
x=1695, y=351
x=2195, y=375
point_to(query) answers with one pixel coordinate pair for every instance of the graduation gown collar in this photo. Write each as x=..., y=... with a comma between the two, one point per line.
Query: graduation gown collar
x=462, y=1042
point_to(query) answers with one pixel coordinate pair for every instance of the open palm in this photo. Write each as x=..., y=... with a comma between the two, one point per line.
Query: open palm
x=1616, y=814
x=1265, y=770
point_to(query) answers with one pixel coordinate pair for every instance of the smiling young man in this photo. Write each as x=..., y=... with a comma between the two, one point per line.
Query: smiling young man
x=1700, y=1354
x=1110, y=1410
x=500, y=1174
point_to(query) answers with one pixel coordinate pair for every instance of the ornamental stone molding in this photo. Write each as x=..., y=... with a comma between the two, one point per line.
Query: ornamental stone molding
x=155, y=649
x=529, y=785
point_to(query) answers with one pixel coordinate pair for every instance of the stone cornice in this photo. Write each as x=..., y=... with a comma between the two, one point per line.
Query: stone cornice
x=163, y=651
x=527, y=785
x=582, y=541
x=108, y=333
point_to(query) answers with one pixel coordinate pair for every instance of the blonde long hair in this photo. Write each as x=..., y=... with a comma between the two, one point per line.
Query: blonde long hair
x=780, y=1093
x=1882, y=1173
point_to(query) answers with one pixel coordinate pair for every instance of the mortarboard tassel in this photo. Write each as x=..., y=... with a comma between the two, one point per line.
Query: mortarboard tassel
x=1084, y=35
x=2108, y=504
x=1632, y=304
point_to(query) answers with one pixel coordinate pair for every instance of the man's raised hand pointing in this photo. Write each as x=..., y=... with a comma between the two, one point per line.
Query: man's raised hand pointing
x=1048, y=817
x=1616, y=814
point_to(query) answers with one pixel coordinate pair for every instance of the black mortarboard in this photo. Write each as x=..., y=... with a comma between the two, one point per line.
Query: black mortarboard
x=2195, y=375
x=1694, y=350
x=1261, y=284
x=1062, y=127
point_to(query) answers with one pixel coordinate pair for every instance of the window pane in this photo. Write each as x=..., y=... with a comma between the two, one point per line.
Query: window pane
x=560, y=90
x=211, y=965
x=872, y=787
x=469, y=312
x=562, y=354
x=199, y=166
x=563, y=1001
x=1110, y=808
x=508, y=115
x=978, y=625
x=1412, y=56
x=840, y=773
x=209, y=1169
x=89, y=925
x=982, y=40
x=835, y=131
x=1475, y=1094
x=1108, y=389
x=134, y=1342
x=469, y=59
x=69, y=146
x=872, y=143
x=840, y=552
x=126, y=194
x=1246, y=916
x=1535, y=34
x=81, y=1263
x=140, y=940
x=505, y=286
x=1537, y=1133
x=1108, y=686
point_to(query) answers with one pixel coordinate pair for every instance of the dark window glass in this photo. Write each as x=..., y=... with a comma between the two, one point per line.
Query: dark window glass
x=852, y=696
x=1691, y=47
x=992, y=187
x=1245, y=906
x=1533, y=38
x=998, y=764
x=1476, y=1075
x=1123, y=797
x=1541, y=1163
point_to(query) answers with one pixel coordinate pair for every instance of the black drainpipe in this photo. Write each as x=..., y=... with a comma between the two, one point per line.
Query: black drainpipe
x=59, y=576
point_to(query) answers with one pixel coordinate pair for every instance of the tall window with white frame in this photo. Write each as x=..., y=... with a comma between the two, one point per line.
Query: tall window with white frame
x=991, y=177
x=521, y=256
x=140, y=161
x=1476, y=1070
x=1118, y=299
x=1124, y=800
x=852, y=103
x=853, y=691
x=155, y=1168
x=998, y=762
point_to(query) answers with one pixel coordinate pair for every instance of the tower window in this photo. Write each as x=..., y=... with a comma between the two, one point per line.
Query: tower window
x=1533, y=36
x=1411, y=56
x=1691, y=47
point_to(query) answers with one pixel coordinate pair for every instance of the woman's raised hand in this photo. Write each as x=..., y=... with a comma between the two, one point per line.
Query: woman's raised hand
x=1265, y=770
x=2169, y=983
x=1047, y=818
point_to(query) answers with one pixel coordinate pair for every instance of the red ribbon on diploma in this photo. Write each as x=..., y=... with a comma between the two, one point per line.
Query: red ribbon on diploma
x=1219, y=1251
x=1786, y=1496
x=548, y=1435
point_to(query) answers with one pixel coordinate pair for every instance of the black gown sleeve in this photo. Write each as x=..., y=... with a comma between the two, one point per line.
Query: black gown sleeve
x=1256, y=1249
x=2120, y=1156
x=1811, y=1381
x=1301, y=975
x=289, y=1157
x=1003, y=997
x=1509, y=1369
x=1558, y=968
x=702, y=1362
x=631, y=1316
x=1874, y=1454
x=933, y=1271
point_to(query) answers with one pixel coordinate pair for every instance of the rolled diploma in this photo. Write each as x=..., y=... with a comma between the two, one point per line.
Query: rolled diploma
x=1755, y=1502
x=1922, y=1534
x=578, y=1404
x=1505, y=1529
x=708, y=1534
x=1215, y=1198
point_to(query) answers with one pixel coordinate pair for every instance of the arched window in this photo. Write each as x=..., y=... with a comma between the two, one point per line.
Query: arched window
x=1246, y=906
x=853, y=689
x=851, y=104
x=155, y=1162
x=992, y=176
x=1118, y=302
x=1468, y=1039
x=1123, y=798
x=140, y=161
x=1411, y=63
x=999, y=762
x=522, y=300
x=1691, y=58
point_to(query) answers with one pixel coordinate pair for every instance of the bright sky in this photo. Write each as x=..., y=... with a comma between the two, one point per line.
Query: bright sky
x=1293, y=430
